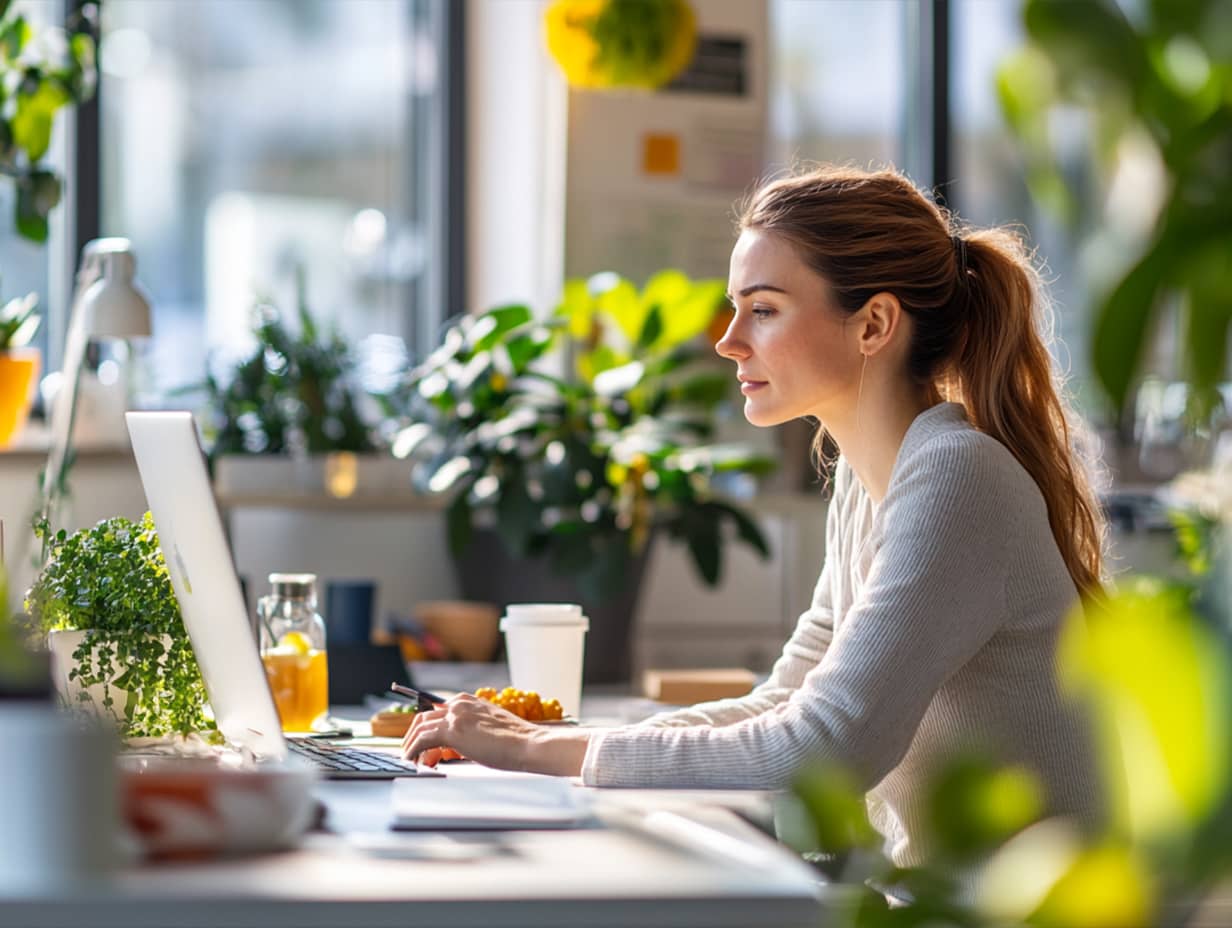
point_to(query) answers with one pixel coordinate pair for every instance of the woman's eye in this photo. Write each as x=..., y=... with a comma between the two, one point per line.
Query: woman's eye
x=762, y=312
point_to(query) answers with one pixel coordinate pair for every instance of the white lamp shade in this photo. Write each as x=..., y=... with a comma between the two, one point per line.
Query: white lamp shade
x=113, y=306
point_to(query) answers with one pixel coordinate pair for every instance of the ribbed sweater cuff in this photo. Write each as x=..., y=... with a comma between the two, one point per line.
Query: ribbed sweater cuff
x=590, y=763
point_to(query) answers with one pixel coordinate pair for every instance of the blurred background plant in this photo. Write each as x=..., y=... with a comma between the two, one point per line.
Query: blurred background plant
x=294, y=394
x=1155, y=90
x=41, y=71
x=1154, y=670
x=19, y=364
x=577, y=435
x=19, y=321
x=621, y=43
x=24, y=673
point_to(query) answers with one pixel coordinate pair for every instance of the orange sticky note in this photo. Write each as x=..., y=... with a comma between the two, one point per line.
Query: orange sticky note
x=660, y=153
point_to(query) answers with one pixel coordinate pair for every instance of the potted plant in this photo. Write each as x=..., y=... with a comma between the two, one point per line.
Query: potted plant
x=19, y=364
x=565, y=444
x=293, y=397
x=119, y=646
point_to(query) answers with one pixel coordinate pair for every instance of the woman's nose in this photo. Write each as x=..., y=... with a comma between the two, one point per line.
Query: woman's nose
x=730, y=346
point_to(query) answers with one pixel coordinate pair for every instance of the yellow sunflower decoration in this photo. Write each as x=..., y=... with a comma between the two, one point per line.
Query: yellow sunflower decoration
x=621, y=43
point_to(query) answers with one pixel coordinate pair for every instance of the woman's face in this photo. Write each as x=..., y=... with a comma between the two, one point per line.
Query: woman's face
x=794, y=354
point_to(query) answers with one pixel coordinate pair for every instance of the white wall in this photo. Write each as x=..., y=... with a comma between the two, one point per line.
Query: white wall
x=515, y=164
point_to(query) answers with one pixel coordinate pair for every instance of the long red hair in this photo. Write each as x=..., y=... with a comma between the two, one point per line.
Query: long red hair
x=982, y=322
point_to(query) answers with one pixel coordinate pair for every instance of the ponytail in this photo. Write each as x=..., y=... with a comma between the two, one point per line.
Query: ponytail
x=1004, y=375
x=982, y=323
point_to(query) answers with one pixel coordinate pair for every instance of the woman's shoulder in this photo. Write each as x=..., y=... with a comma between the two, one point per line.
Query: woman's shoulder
x=946, y=450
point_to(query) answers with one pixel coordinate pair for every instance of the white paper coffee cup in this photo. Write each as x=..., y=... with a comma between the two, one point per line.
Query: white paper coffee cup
x=545, y=643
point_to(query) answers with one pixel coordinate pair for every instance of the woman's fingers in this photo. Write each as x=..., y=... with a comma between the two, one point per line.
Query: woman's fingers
x=417, y=723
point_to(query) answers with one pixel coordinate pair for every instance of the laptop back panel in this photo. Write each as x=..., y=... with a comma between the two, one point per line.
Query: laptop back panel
x=190, y=532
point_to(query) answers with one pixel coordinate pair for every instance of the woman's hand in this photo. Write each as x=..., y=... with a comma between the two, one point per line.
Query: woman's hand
x=494, y=737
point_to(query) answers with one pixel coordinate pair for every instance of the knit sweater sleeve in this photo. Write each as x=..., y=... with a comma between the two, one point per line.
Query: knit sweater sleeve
x=934, y=593
x=803, y=651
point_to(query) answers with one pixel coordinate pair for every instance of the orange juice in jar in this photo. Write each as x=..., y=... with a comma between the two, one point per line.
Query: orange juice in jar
x=292, y=638
x=299, y=684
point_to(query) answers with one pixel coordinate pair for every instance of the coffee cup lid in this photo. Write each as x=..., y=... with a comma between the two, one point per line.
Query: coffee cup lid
x=543, y=614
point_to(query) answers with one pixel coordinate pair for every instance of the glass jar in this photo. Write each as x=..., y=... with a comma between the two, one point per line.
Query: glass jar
x=292, y=642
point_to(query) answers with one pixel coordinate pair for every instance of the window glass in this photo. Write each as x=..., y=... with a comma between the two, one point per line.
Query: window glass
x=837, y=81
x=991, y=186
x=246, y=142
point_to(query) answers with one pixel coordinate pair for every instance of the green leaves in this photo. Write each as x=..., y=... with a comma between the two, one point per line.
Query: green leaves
x=1158, y=80
x=35, y=114
x=294, y=393
x=41, y=86
x=112, y=581
x=19, y=321
x=976, y=806
x=579, y=435
x=835, y=807
x=1160, y=681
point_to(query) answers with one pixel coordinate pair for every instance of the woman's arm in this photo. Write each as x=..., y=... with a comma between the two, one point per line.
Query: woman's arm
x=934, y=595
x=803, y=651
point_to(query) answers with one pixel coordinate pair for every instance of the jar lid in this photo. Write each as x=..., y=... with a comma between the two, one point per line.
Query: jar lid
x=294, y=586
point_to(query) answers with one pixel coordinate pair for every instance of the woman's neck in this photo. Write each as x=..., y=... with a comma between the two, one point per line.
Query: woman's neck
x=870, y=435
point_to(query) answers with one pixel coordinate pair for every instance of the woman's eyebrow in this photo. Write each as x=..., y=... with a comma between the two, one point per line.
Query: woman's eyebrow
x=753, y=288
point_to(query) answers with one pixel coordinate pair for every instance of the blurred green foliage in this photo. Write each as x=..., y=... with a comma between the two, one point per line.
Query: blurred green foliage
x=1161, y=79
x=41, y=71
x=577, y=434
x=1156, y=674
x=293, y=394
x=19, y=321
x=22, y=675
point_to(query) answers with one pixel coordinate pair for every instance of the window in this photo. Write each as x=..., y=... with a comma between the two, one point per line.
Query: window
x=248, y=146
x=991, y=188
x=837, y=81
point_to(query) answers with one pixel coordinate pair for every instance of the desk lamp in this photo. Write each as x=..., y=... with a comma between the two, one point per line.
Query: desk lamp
x=107, y=303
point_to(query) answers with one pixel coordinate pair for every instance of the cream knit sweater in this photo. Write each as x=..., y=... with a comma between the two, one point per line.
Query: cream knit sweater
x=933, y=628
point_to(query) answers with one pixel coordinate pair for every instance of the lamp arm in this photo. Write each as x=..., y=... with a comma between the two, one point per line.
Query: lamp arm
x=63, y=414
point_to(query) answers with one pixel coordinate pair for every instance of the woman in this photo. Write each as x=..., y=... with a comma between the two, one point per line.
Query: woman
x=961, y=532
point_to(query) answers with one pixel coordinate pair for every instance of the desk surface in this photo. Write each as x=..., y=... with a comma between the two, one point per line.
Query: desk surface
x=722, y=872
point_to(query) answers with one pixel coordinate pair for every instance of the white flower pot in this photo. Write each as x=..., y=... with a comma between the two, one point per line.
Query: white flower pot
x=62, y=644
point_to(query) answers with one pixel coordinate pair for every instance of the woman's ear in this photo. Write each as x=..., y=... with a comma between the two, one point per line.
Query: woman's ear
x=879, y=322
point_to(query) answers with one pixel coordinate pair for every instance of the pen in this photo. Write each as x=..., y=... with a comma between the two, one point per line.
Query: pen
x=425, y=699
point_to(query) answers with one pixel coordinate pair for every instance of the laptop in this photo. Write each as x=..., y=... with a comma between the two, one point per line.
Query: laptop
x=190, y=533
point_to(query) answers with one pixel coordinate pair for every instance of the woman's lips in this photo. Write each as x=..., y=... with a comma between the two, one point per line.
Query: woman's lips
x=751, y=386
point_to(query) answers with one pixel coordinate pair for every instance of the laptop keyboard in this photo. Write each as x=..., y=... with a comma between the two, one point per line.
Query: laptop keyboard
x=339, y=759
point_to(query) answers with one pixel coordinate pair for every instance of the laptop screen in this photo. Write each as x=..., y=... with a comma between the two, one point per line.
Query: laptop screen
x=190, y=532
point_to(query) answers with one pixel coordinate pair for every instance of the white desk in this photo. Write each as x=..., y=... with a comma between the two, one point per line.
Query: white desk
x=594, y=877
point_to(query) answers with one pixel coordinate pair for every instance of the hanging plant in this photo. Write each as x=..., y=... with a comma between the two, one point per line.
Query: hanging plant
x=621, y=43
x=42, y=71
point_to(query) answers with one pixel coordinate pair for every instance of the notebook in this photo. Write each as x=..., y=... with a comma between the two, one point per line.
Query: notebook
x=490, y=800
x=190, y=533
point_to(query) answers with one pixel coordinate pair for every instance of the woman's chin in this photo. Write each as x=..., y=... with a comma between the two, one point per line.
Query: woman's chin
x=762, y=418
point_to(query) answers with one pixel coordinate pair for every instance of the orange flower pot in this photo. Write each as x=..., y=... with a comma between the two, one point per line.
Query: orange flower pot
x=19, y=370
